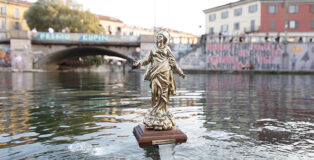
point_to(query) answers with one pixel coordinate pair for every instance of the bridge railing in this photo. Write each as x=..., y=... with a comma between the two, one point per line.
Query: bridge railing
x=83, y=37
x=256, y=38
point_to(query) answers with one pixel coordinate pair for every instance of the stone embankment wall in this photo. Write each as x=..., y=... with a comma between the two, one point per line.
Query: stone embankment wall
x=254, y=56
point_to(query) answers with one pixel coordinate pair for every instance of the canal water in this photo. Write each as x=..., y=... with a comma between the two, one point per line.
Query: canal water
x=92, y=115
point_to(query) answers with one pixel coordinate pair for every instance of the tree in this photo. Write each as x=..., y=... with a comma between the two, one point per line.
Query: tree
x=59, y=14
x=93, y=60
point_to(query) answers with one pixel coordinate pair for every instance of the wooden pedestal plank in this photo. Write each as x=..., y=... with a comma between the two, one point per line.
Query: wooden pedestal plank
x=146, y=137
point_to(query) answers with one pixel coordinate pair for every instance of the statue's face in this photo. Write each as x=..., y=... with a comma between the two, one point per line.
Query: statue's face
x=160, y=38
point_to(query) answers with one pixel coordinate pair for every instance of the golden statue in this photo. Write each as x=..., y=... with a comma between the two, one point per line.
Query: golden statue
x=161, y=82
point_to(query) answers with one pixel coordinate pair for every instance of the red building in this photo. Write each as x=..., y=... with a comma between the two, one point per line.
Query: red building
x=261, y=16
x=300, y=14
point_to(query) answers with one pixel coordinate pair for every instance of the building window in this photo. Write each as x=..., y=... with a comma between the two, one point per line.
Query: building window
x=272, y=24
x=293, y=9
x=312, y=8
x=17, y=25
x=293, y=24
x=109, y=30
x=252, y=25
x=253, y=8
x=118, y=31
x=2, y=10
x=211, y=30
x=272, y=9
x=312, y=23
x=224, y=28
x=224, y=15
x=16, y=13
x=238, y=12
x=236, y=26
x=2, y=24
x=212, y=17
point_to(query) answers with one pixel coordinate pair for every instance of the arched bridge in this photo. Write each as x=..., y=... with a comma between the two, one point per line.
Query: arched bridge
x=42, y=50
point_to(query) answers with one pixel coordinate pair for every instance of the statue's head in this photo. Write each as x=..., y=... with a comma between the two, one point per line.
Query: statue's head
x=163, y=37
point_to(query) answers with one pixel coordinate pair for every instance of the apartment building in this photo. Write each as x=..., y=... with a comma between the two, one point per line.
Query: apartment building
x=12, y=15
x=256, y=16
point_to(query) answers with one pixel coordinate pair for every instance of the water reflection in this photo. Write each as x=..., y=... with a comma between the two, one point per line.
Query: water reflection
x=92, y=115
x=162, y=152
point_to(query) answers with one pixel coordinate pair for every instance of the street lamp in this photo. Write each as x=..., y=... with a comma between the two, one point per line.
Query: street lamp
x=285, y=55
x=286, y=20
x=6, y=19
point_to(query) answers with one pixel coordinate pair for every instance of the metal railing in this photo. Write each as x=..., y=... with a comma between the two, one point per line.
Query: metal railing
x=257, y=39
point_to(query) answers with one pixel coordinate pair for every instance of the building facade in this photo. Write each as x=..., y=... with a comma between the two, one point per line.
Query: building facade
x=260, y=16
x=179, y=36
x=12, y=15
x=300, y=16
x=112, y=26
x=136, y=31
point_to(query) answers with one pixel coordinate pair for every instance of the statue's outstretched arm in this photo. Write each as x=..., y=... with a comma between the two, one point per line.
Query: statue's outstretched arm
x=178, y=70
x=144, y=61
x=174, y=65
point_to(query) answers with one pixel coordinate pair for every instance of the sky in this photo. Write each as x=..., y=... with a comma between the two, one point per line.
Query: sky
x=181, y=15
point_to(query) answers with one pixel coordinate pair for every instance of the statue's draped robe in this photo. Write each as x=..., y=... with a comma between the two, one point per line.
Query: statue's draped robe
x=162, y=85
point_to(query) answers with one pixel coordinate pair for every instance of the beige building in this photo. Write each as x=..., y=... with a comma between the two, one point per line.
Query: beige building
x=136, y=31
x=229, y=18
x=112, y=26
x=12, y=15
x=180, y=37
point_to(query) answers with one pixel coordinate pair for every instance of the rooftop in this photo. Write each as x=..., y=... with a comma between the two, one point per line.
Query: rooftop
x=241, y=2
x=21, y=2
x=107, y=18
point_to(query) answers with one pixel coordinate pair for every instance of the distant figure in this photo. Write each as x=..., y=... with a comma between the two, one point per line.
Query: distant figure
x=50, y=30
x=300, y=40
x=67, y=30
x=203, y=42
x=219, y=36
x=266, y=37
x=34, y=30
x=242, y=37
x=311, y=40
x=293, y=62
x=277, y=39
x=224, y=36
x=231, y=39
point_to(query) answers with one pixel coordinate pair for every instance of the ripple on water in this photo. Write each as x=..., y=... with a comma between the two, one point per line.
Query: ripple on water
x=91, y=116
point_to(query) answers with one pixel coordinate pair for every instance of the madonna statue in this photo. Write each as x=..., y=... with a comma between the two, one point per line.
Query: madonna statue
x=162, y=84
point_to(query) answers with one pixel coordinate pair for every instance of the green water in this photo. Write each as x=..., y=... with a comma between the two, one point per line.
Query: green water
x=92, y=115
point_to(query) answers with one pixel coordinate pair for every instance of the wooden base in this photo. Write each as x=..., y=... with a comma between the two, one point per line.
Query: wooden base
x=146, y=137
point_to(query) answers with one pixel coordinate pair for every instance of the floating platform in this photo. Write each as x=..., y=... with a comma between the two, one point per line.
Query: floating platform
x=147, y=137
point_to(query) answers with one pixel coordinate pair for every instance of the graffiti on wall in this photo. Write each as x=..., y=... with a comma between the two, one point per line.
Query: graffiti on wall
x=22, y=57
x=237, y=56
x=301, y=56
x=193, y=60
x=5, y=57
x=180, y=49
x=255, y=56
